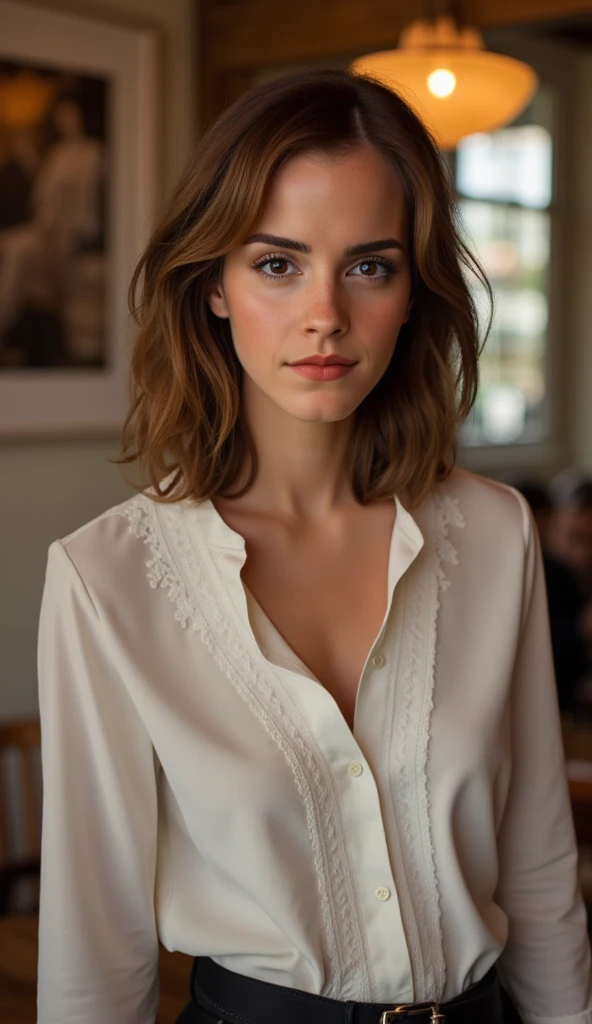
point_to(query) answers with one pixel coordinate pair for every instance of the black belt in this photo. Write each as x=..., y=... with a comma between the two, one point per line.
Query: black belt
x=235, y=999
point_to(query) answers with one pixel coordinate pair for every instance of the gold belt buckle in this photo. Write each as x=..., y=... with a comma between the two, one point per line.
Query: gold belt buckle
x=394, y=1016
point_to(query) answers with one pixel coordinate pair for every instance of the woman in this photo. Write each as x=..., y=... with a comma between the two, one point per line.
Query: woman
x=299, y=716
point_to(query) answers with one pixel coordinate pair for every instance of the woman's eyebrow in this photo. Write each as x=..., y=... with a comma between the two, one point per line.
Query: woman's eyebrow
x=277, y=240
x=381, y=243
x=352, y=250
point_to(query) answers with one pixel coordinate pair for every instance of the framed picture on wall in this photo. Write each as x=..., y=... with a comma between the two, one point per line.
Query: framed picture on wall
x=78, y=102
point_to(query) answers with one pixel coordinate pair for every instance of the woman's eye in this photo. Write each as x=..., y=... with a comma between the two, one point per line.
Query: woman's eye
x=276, y=266
x=372, y=268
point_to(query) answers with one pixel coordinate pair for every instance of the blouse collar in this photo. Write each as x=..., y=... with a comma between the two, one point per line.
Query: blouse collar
x=406, y=542
x=216, y=532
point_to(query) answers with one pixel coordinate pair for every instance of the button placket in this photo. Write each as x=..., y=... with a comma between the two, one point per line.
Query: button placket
x=365, y=828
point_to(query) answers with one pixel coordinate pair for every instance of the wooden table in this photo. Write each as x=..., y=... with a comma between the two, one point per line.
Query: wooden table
x=18, y=974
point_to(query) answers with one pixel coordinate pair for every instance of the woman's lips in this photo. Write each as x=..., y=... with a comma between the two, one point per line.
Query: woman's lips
x=333, y=371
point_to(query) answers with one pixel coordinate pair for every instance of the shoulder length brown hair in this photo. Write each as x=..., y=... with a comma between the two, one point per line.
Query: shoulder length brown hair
x=185, y=421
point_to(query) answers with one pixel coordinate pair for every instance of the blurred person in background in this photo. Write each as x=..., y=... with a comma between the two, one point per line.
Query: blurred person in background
x=570, y=528
x=570, y=539
x=565, y=600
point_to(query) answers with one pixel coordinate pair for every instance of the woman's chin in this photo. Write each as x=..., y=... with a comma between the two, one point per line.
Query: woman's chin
x=320, y=405
x=321, y=411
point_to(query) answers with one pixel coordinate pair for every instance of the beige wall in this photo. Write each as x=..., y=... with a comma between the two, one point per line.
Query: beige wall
x=48, y=489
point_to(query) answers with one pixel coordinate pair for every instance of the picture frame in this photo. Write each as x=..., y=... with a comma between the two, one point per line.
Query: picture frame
x=78, y=187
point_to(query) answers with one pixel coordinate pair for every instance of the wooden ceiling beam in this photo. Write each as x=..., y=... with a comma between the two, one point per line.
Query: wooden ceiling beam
x=258, y=33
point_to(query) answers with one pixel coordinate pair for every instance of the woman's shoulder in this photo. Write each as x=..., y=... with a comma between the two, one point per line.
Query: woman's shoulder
x=104, y=551
x=488, y=507
x=141, y=538
x=94, y=532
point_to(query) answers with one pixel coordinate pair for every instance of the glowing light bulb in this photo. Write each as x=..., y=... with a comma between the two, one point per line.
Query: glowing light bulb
x=441, y=82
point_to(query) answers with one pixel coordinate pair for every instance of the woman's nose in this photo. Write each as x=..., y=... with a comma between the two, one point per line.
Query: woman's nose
x=325, y=313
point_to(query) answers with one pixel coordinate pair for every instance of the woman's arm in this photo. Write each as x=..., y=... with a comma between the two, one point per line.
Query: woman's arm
x=546, y=963
x=98, y=946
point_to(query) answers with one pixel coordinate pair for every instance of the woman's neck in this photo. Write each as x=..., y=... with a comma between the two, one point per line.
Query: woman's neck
x=303, y=466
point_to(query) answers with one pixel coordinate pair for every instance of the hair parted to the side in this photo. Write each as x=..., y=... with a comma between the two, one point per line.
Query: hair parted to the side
x=185, y=419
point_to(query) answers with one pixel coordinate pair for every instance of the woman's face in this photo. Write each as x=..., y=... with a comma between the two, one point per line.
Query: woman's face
x=324, y=276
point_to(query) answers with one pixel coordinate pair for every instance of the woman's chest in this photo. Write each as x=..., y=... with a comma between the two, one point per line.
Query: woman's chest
x=328, y=603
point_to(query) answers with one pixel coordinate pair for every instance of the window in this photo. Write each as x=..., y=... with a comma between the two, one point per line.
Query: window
x=504, y=182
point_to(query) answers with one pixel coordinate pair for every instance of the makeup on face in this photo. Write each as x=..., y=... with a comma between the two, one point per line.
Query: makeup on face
x=334, y=366
x=323, y=368
x=317, y=292
x=282, y=263
x=332, y=371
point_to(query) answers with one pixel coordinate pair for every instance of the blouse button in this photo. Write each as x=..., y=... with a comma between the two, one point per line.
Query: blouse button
x=382, y=893
x=355, y=769
x=378, y=660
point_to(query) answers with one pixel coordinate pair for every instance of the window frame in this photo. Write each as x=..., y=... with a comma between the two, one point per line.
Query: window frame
x=552, y=64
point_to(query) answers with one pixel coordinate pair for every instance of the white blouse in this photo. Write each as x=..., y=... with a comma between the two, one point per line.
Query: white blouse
x=202, y=787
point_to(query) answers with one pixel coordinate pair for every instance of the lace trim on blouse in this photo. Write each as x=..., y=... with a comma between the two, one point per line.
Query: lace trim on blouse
x=407, y=747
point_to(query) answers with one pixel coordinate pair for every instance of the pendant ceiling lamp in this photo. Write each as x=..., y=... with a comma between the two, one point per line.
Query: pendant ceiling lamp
x=454, y=84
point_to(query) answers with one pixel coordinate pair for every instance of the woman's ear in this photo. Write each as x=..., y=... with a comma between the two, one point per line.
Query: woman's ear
x=217, y=302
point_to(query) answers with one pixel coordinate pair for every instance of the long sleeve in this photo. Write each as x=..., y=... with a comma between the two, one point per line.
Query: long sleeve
x=98, y=946
x=546, y=962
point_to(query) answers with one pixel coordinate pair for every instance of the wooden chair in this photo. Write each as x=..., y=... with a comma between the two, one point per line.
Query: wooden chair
x=19, y=855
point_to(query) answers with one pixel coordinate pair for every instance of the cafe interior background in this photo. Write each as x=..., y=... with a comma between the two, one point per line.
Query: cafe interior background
x=525, y=194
